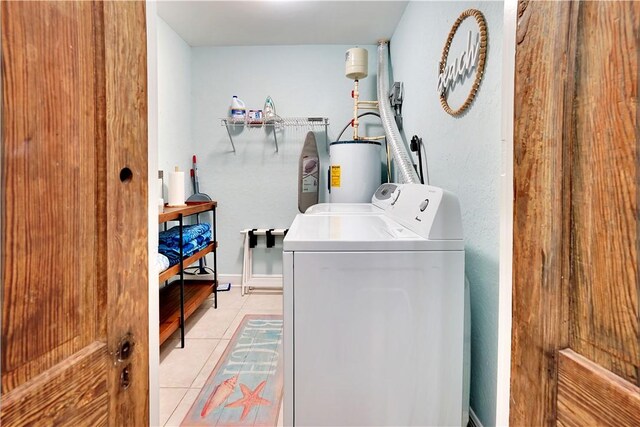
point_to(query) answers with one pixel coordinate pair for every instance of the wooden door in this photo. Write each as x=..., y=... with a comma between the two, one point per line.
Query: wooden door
x=575, y=343
x=74, y=213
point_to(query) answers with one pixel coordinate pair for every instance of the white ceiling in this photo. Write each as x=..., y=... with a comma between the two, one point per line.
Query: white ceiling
x=250, y=23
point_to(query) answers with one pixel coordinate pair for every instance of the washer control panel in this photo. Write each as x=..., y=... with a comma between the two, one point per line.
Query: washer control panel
x=428, y=211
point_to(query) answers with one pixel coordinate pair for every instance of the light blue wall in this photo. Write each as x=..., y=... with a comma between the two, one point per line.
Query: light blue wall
x=257, y=187
x=174, y=104
x=463, y=157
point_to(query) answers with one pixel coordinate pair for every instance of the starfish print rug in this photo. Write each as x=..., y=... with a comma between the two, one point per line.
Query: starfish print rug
x=245, y=388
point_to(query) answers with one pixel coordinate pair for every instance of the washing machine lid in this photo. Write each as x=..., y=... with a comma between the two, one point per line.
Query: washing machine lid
x=358, y=233
x=344, y=209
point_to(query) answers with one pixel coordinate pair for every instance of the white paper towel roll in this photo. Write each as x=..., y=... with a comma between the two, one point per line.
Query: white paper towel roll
x=176, y=189
x=160, y=187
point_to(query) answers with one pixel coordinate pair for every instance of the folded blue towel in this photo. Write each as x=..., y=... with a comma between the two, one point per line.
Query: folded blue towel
x=196, y=244
x=190, y=248
x=173, y=256
x=204, y=237
x=171, y=237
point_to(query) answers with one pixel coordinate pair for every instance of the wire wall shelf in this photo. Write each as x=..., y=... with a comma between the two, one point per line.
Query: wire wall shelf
x=306, y=123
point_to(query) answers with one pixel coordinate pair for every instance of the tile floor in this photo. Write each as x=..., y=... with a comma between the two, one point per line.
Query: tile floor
x=183, y=372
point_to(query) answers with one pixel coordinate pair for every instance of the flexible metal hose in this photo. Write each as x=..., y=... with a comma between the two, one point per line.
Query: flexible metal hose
x=403, y=160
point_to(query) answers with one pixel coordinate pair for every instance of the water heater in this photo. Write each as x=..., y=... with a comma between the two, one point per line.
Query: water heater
x=354, y=171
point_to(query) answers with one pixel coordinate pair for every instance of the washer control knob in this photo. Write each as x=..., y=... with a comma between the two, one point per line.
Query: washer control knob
x=424, y=204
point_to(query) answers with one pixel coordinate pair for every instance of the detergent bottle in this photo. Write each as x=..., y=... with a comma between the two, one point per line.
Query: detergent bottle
x=237, y=110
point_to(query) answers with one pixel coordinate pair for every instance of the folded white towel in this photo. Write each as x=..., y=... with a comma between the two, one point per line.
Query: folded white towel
x=162, y=263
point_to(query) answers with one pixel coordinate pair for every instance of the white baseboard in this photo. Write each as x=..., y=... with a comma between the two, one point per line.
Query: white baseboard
x=257, y=280
x=473, y=419
x=234, y=279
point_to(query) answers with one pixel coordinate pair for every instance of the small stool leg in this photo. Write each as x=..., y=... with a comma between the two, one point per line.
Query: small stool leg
x=243, y=278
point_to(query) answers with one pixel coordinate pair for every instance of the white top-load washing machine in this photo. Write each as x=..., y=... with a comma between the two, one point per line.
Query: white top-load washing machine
x=374, y=314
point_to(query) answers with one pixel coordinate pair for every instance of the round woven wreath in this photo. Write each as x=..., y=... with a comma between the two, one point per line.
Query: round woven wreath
x=482, y=24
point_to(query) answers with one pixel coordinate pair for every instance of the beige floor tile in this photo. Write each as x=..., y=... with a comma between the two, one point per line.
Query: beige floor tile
x=169, y=345
x=194, y=319
x=210, y=364
x=264, y=301
x=180, y=366
x=230, y=299
x=169, y=400
x=210, y=323
x=233, y=326
x=184, y=406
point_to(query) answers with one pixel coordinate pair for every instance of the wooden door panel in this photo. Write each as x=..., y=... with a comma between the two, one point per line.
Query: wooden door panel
x=604, y=206
x=538, y=150
x=589, y=395
x=126, y=202
x=74, y=238
x=73, y=393
x=50, y=217
x=575, y=338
